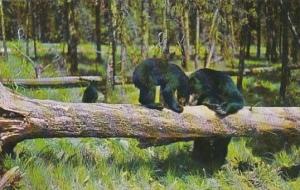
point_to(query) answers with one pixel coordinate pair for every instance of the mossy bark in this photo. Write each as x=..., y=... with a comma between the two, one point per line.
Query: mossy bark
x=24, y=118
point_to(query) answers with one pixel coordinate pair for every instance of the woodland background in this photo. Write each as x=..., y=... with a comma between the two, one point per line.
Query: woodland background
x=256, y=40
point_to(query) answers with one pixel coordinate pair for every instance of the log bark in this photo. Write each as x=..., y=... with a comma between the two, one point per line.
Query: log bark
x=10, y=177
x=23, y=118
x=54, y=82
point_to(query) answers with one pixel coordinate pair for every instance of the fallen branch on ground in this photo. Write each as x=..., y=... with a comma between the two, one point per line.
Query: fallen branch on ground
x=57, y=82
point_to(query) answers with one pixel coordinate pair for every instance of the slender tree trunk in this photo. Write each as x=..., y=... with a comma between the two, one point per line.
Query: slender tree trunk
x=268, y=15
x=33, y=25
x=249, y=38
x=182, y=44
x=113, y=41
x=248, y=6
x=274, y=36
x=27, y=26
x=98, y=31
x=280, y=40
x=285, y=52
x=123, y=40
x=186, y=33
x=66, y=28
x=258, y=28
x=43, y=15
x=210, y=54
x=145, y=28
x=3, y=31
x=271, y=46
x=197, y=40
x=243, y=38
x=295, y=51
x=205, y=59
x=73, y=40
x=165, y=40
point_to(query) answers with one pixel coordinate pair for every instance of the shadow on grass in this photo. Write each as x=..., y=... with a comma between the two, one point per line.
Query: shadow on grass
x=179, y=164
x=290, y=173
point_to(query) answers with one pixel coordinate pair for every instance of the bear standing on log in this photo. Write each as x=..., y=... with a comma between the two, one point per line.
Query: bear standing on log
x=217, y=91
x=157, y=72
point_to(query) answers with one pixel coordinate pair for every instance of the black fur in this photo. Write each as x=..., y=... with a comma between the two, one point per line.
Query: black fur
x=216, y=90
x=90, y=94
x=155, y=72
x=211, y=152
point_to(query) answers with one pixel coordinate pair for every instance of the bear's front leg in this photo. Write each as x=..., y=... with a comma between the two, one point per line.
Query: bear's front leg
x=168, y=95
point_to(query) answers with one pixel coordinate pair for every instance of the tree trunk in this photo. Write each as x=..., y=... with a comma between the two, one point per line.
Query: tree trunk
x=123, y=62
x=295, y=51
x=98, y=31
x=285, y=52
x=197, y=40
x=268, y=15
x=73, y=40
x=27, y=26
x=271, y=46
x=113, y=41
x=66, y=27
x=33, y=25
x=144, y=28
x=280, y=40
x=249, y=38
x=258, y=28
x=243, y=38
x=182, y=44
x=3, y=31
x=23, y=118
x=165, y=40
x=186, y=33
x=274, y=36
x=42, y=17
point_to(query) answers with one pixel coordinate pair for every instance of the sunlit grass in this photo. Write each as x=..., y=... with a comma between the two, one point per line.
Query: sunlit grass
x=90, y=163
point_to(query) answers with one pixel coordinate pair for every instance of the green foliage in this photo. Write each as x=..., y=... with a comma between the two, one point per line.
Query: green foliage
x=91, y=163
x=117, y=163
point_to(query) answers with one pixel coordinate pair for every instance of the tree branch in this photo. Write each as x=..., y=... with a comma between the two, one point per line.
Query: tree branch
x=23, y=118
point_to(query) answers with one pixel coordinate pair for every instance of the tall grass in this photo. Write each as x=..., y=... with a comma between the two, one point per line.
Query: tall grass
x=90, y=163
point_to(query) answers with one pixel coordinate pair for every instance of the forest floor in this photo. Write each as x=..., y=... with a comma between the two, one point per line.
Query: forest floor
x=90, y=163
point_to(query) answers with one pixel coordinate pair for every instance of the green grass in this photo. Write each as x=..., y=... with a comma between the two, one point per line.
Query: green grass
x=90, y=163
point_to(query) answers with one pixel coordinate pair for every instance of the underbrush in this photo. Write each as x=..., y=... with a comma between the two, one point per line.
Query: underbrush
x=90, y=163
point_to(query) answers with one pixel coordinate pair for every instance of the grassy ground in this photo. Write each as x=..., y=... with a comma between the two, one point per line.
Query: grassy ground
x=90, y=163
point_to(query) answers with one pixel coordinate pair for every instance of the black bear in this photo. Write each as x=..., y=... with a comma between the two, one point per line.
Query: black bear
x=90, y=94
x=211, y=152
x=218, y=92
x=156, y=72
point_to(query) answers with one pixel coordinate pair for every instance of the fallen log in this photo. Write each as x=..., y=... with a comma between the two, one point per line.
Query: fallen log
x=24, y=118
x=10, y=178
x=55, y=82
x=258, y=70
